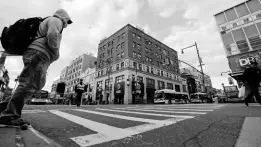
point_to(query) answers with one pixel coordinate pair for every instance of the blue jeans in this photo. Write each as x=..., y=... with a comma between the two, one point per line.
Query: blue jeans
x=31, y=80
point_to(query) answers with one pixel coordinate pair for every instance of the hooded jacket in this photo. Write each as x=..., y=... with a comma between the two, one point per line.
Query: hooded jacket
x=51, y=28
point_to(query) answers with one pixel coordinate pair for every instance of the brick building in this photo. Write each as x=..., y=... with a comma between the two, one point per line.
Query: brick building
x=136, y=64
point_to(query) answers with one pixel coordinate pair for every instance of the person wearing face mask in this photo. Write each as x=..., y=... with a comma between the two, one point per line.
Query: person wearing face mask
x=37, y=58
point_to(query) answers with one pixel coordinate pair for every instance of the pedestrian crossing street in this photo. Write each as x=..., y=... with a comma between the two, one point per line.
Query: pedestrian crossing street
x=150, y=117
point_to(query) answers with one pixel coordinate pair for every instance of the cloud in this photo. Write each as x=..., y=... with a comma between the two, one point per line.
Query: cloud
x=164, y=8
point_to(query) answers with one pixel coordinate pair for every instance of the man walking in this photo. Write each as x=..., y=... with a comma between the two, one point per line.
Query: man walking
x=252, y=79
x=37, y=58
x=79, y=89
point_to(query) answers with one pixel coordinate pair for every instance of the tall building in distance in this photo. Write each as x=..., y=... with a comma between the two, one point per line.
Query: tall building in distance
x=75, y=68
x=138, y=65
x=53, y=88
x=198, y=78
x=240, y=31
x=63, y=74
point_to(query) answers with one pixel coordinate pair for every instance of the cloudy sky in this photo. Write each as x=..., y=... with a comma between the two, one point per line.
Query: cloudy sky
x=177, y=23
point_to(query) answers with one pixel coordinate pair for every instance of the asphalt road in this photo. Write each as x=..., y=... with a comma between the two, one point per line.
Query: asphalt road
x=189, y=125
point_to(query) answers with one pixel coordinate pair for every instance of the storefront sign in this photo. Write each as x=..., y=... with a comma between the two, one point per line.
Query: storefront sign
x=239, y=62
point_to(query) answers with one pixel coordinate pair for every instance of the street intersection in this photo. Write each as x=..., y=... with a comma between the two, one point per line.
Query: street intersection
x=140, y=125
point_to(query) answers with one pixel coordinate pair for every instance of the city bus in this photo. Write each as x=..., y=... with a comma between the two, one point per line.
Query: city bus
x=168, y=96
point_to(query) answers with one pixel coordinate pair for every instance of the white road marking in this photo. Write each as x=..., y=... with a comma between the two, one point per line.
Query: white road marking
x=154, y=114
x=188, y=107
x=126, y=117
x=33, y=111
x=187, y=112
x=177, y=109
x=108, y=133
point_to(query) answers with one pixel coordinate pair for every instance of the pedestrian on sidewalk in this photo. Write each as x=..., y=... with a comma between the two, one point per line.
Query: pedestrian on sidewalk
x=37, y=58
x=252, y=79
x=79, y=90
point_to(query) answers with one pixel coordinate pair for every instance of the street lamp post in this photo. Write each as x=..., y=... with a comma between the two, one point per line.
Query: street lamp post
x=200, y=62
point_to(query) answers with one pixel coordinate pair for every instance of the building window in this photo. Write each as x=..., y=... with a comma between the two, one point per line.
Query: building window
x=254, y=5
x=152, y=70
x=122, y=64
x=138, y=37
x=134, y=54
x=119, y=79
x=150, y=82
x=147, y=59
x=139, y=79
x=123, y=45
x=134, y=44
x=162, y=73
x=118, y=56
x=240, y=40
x=117, y=67
x=134, y=35
x=177, y=88
x=170, y=86
x=139, y=56
x=161, y=85
x=108, y=84
x=138, y=46
x=184, y=88
x=150, y=60
x=122, y=54
x=123, y=35
x=147, y=69
x=99, y=84
x=134, y=64
x=118, y=47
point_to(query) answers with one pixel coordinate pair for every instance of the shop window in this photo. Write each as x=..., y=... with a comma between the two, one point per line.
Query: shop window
x=134, y=54
x=254, y=5
x=122, y=64
x=119, y=79
x=170, y=86
x=150, y=82
x=161, y=85
x=140, y=79
x=177, y=88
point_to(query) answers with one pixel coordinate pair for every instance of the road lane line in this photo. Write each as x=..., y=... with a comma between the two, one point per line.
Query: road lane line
x=188, y=107
x=33, y=111
x=146, y=110
x=126, y=117
x=250, y=135
x=178, y=109
x=153, y=114
x=88, y=140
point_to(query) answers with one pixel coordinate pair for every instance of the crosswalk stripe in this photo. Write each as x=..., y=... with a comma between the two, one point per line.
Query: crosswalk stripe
x=187, y=107
x=154, y=114
x=125, y=117
x=177, y=109
x=146, y=110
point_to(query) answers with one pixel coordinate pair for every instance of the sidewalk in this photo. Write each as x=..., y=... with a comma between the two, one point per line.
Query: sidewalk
x=14, y=137
x=250, y=135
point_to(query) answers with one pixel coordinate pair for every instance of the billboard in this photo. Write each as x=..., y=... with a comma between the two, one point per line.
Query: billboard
x=240, y=62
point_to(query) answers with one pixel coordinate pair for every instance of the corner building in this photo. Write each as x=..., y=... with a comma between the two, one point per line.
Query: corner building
x=139, y=65
x=240, y=31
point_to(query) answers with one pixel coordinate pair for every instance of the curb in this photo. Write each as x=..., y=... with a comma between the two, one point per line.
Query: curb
x=250, y=135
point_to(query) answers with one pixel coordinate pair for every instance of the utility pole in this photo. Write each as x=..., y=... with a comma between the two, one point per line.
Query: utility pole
x=200, y=62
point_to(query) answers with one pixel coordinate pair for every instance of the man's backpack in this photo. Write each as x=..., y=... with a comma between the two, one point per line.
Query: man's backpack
x=16, y=38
